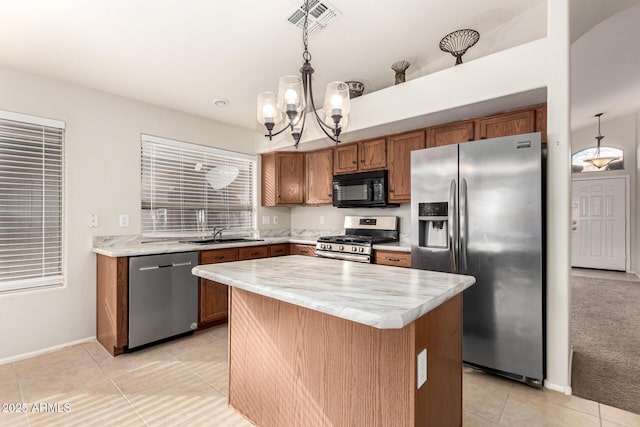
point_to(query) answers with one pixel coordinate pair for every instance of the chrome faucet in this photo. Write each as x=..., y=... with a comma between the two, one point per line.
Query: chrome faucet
x=217, y=232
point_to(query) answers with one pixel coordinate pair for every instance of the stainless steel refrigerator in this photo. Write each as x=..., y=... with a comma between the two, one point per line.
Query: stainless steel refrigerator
x=477, y=209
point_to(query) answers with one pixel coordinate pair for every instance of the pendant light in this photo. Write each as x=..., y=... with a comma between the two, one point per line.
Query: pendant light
x=293, y=95
x=597, y=160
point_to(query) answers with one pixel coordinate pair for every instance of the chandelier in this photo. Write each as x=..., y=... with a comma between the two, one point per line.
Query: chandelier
x=597, y=160
x=295, y=92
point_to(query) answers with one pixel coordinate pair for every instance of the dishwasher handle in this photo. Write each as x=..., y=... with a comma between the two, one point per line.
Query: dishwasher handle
x=156, y=267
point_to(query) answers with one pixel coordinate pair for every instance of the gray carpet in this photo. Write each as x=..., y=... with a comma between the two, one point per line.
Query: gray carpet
x=605, y=331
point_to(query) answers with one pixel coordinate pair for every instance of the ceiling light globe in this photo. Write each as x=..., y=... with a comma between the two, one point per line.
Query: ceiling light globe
x=266, y=110
x=336, y=101
x=290, y=94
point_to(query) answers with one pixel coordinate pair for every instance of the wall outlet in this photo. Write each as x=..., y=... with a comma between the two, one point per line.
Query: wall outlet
x=275, y=219
x=124, y=220
x=321, y=219
x=266, y=220
x=92, y=220
x=422, y=367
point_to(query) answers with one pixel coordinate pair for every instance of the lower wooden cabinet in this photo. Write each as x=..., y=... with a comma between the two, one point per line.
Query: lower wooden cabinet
x=253, y=252
x=279, y=250
x=306, y=250
x=214, y=299
x=394, y=258
x=212, y=296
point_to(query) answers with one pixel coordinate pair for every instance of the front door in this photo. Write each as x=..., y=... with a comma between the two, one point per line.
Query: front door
x=598, y=214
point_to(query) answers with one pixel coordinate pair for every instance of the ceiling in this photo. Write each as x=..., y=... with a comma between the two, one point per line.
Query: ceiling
x=182, y=55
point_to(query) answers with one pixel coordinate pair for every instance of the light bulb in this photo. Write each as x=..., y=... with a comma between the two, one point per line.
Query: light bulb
x=267, y=111
x=290, y=96
x=336, y=101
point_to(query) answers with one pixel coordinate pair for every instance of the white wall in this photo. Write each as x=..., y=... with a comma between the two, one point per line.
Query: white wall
x=620, y=133
x=309, y=217
x=102, y=164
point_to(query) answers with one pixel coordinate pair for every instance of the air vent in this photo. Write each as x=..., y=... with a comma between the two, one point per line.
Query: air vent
x=321, y=14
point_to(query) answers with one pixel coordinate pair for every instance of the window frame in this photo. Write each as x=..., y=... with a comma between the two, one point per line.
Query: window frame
x=233, y=156
x=48, y=281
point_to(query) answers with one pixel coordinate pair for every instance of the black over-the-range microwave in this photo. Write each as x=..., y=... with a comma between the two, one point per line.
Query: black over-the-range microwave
x=361, y=190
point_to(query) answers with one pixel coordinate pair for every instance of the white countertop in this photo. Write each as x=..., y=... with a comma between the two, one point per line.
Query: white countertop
x=376, y=295
x=164, y=247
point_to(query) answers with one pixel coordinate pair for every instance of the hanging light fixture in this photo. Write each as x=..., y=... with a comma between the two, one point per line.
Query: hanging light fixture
x=293, y=93
x=597, y=160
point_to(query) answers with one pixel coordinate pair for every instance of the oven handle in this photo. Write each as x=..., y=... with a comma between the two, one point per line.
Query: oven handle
x=344, y=256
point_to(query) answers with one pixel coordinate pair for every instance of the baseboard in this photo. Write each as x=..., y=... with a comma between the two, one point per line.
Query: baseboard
x=44, y=350
x=555, y=387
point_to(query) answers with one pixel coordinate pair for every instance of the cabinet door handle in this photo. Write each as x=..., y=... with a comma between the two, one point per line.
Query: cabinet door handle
x=361, y=161
x=394, y=259
x=391, y=191
x=219, y=257
x=255, y=253
x=354, y=162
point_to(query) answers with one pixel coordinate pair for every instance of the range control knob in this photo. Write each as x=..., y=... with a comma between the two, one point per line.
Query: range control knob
x=361, y=249
x=341, y=248
x=354, y=249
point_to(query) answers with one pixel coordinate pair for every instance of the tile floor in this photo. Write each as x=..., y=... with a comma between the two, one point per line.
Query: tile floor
x=184, y=383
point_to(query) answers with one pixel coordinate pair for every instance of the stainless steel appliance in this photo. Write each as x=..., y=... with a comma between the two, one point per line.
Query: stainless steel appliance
x=361, y=190
x=163, y=297
x=477, y=209
x=361, y=233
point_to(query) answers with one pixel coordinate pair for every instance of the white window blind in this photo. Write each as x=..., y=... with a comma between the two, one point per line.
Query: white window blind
x=31, y=183
x=189, y=189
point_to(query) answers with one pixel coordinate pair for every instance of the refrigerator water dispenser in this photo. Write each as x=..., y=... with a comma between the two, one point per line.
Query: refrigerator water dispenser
x=433, y=225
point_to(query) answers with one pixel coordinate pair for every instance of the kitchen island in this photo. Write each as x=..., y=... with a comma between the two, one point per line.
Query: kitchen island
x=322, y=342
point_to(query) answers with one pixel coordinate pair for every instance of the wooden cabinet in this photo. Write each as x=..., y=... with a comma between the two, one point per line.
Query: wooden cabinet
x=394, y=258
x=372, y=155
x=345, y=159
x=213, y=296
x=319, y=177
x=299, y=249
x=253, y=252
x=513, y=123
x=279, y=250
x=541, y=121
x=450, y=133
x=399, y=148
x=112, y=315
x=282, y=179
x=360, y=156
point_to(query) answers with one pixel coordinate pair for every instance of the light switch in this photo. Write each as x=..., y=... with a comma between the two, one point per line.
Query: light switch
x=321, y=219
x=275, y=219
x=266, y=220
x=124, y=220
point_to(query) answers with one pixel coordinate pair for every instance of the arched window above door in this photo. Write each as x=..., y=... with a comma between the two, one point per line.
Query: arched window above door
x=578, y=163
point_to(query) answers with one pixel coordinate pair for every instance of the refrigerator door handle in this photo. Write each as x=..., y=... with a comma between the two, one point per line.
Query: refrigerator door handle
x=464, y=224
x=453, y=226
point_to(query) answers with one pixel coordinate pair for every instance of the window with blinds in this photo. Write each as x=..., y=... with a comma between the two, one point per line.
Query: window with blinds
x=189, y=189
x=31, y=183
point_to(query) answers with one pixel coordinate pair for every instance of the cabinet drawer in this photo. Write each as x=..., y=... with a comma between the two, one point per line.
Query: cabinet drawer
x=397, y=259
x=306, y=250
x=253, y=252
x=279, y=250
x=218, y=255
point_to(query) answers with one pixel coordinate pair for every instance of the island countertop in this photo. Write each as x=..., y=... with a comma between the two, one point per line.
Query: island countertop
x=380, y=296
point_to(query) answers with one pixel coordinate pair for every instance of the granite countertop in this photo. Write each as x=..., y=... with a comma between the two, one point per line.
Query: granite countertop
x=376, y=295
x=165, y=247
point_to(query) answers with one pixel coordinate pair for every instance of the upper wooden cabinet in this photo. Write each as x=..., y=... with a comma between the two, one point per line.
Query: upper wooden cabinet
x=319, y=177
x=514, y=123
x=360, y=156
x=282, y=179
x=399, y=148
x=450, y=133
x=345, y=159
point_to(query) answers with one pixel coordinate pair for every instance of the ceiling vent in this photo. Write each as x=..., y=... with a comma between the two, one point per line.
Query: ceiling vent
x=321, y=14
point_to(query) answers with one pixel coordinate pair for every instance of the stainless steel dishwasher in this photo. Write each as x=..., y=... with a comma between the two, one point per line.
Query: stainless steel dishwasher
x=163, y=297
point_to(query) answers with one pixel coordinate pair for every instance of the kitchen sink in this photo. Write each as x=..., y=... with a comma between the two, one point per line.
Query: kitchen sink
x=214, y=241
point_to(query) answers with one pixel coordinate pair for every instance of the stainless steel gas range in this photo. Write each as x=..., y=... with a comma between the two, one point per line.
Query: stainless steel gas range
x=361, y=233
